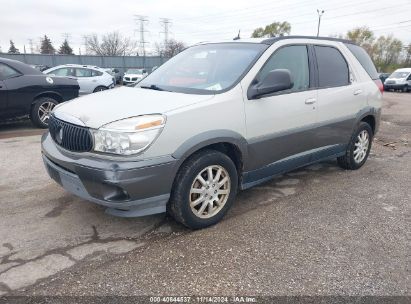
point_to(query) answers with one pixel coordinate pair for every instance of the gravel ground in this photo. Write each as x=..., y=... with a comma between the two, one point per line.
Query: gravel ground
x=315, y=231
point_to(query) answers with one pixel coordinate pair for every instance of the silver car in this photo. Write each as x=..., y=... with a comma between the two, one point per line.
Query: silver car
x=91, y=79
x=213, y=120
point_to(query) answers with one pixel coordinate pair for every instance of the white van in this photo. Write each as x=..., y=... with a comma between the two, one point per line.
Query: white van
x=214, y=119
x=399, y=80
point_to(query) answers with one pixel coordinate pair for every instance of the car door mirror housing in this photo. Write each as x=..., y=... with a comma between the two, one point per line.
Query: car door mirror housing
x=275, y=81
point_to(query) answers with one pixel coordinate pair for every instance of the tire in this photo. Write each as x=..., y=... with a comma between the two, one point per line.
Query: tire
x=352, y=160
x=99, y=89
x=41, y=110
x=187, y=179
x=405, y=89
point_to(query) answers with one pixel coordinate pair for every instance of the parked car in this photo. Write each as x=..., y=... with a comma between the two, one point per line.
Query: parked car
x=399, y=80
x=25, y=91
x=383, y=77
x=40, y=67
x=90, y=78
x=132, y=76
x=216, y=118
x=115, y=73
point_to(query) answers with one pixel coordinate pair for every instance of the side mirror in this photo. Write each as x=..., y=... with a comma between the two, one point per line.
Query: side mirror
x=274, y=81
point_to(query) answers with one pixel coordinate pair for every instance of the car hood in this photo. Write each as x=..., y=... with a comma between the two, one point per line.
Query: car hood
x=98, y=109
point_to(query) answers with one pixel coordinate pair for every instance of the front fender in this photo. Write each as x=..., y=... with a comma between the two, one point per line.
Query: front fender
x=202, y=140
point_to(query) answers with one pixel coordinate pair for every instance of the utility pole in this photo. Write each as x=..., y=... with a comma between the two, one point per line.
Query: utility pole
x=31, y=46
x=141, y=21
x=166, y=23
x=320, y=13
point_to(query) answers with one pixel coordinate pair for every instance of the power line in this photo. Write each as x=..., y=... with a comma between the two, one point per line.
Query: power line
x=141, y=22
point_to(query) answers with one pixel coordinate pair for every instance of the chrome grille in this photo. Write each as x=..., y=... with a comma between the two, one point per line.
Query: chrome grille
x=70, y=137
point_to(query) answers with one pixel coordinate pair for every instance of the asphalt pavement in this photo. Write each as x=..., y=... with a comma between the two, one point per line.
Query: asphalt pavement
x=316, y=231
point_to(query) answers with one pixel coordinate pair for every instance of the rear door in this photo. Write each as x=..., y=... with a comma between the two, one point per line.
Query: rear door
x=340, y=97
x=86, y=81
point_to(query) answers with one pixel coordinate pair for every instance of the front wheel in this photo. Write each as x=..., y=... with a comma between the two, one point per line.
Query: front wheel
x=204, y=189
x=99, y=89
x=40, y=112
x=358, y=149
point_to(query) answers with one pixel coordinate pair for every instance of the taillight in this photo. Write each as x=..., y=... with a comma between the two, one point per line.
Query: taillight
x=379, y=84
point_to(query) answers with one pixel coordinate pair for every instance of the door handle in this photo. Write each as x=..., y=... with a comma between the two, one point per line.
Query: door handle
x=357, y=92
x=310, y=101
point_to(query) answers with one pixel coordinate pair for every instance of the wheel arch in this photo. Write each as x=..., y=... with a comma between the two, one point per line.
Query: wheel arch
x=370, y=115
x=50, y=94
x=228, y=142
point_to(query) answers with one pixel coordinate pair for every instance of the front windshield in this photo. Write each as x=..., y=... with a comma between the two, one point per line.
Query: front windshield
x=205, y=69
x=399, y=74
x=134, y=71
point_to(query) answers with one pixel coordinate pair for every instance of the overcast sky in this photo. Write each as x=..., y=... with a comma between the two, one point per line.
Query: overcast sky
x=193, y=20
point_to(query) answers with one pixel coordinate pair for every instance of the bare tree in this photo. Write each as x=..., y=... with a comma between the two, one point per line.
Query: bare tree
x=112, y=44
x=170, y=48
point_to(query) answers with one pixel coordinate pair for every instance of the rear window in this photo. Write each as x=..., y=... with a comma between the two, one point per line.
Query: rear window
x=332, y=67
x=364, y=59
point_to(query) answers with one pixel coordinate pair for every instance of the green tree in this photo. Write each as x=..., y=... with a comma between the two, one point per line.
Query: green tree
x=46, y=46
x=272, y=30
x=407, y=61
x=13, y=49
x=65, y=48
x=387, y=52
x=362, y=36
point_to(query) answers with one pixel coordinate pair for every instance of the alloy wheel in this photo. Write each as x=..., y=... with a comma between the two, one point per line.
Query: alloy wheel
x=362, y=145
x=210, y=191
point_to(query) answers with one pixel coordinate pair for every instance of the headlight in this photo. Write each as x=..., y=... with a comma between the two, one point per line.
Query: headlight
x=128, y=136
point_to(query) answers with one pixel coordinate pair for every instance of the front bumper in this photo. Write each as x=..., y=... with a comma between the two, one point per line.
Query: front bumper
x=394, y=86
x=126, y=188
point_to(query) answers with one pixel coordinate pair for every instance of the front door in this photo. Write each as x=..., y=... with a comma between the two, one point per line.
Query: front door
x=3, y=98
x=279, y=126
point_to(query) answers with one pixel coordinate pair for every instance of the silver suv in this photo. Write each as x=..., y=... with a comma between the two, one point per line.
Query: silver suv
x=216, y=118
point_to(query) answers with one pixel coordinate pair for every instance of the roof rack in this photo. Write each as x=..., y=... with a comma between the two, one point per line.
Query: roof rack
x=270, y=41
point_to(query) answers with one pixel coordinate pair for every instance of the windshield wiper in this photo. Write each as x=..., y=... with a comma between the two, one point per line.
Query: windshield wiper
x=152, y=87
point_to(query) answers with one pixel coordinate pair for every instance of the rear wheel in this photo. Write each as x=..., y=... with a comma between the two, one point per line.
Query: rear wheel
x=40, y=112
x=204, y=189
x=358, y=149
x=99, y=89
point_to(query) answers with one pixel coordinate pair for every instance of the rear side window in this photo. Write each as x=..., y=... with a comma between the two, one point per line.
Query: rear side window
x=7, y=72
x=83, y=73
x=364, y=59
x=96, y=73
x=332, y=67
x=61, y=72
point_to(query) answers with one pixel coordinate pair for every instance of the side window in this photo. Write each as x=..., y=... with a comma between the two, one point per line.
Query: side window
x=409, y=77
x=96, y=73
x=83, y=73
x=332, y=67
x=7, y=72
x=293, y=58
x=61, y=72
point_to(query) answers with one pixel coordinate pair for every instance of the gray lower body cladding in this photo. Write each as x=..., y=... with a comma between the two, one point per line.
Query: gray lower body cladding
x=286, y=151
x=132, y=188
